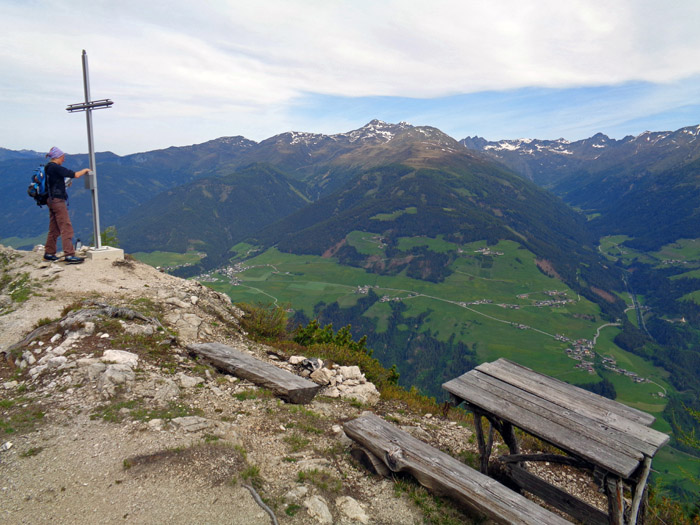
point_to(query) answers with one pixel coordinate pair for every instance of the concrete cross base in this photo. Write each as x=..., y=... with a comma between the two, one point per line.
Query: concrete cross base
x=105, y=253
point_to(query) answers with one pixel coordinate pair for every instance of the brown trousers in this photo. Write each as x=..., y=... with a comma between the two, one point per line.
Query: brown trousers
x=59, y=225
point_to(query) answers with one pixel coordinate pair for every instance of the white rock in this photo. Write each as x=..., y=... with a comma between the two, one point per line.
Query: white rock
x=55, y=338
x=194, y=299
x=191, y=423
x=95, y=369
x=120, y=357
x=167, y=391
x=317, y=508
x=59, y=350
x=189, y=381
x=216, y=390
x=322, y=376
x=351, y=509
x=114, y=376
x=88, y=328
x=9, y=385
x=104, y=336
x=137, y=329
x=87, y=361
x=331, y=392
x=351, y=372
x=296, y=359
x=177, y=302
x=56, y=361
x=37, y=371
x=295, y=494
x=366, y=393
x=155, y=424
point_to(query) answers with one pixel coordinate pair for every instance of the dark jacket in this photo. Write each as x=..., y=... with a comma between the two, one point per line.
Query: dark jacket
x=55, y=175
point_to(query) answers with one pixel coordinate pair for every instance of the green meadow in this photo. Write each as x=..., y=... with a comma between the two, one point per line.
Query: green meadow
x=506, y=323
x=17, y=242
x=672, y=467
x=167, y=258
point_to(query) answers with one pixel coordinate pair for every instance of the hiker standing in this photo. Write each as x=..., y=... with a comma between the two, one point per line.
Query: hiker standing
x=59, y=221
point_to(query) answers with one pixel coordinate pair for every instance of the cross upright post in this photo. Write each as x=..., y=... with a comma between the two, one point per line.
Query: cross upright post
x=91, y=180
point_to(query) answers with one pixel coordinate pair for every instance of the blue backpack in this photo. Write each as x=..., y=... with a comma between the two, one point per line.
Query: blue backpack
x=39, y=187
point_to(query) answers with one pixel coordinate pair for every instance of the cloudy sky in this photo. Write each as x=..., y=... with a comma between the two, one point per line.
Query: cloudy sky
x=183, y=72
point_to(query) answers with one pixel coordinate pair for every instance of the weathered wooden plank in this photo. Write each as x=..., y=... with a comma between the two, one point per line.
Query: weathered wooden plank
x=557, y=497
x=531, y=421
x=610, y=413
x=286, y=385
x=627, y=443
x=549, y=387
x=446, y=475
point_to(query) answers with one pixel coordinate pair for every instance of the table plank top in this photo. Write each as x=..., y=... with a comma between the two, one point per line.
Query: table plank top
x=604, y=432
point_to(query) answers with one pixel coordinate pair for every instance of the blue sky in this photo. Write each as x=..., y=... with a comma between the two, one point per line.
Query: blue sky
x=181, y=73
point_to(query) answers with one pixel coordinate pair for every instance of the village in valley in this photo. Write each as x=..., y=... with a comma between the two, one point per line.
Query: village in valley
x=581, y=350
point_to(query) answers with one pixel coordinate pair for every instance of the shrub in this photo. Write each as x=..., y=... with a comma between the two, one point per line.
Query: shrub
x=263, y=322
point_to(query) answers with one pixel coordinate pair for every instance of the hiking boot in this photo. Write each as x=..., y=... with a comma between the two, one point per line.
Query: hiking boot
x=50, y=257
x=72, y=259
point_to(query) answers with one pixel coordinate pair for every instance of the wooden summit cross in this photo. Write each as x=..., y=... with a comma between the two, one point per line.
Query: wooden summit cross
x=607, y=437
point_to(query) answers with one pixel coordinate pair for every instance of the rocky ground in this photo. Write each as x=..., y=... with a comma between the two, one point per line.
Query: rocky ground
x=105, y=417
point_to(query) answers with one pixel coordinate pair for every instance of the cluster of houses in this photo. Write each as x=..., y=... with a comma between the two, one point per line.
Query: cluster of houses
x=227, y=271
x=388, y=298
x=609, y=363
x=479, y=301
x=673, y=261
x=488, y=251
x=582, y=350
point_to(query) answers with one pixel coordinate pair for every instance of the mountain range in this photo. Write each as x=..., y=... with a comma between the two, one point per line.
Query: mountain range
x=308, y=194
x=623, y=184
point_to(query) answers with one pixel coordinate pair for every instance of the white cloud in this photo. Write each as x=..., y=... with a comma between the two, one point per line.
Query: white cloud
x=234, y=63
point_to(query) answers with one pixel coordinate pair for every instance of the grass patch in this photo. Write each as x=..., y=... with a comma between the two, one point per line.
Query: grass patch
x=296, y=442
x=20, y=288
x=436, y=511
x=321, y=479
x=19, y=419
x=114, y=412
x=252, y=475
x=305, y=420
x=34, y=451
x=168, y=259
x=254, y=393
x=117, y=411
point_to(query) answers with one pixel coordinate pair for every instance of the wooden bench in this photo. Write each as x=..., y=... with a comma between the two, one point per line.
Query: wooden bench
x=441, y=473
x=286, y=385
x=607, y=437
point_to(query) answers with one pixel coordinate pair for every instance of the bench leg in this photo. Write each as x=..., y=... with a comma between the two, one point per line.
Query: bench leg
x=509, y=438
x=640, y=492
x=616, y=503
x=484, y=447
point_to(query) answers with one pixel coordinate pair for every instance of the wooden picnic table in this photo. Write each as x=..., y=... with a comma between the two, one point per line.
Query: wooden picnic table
x=607, y=437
